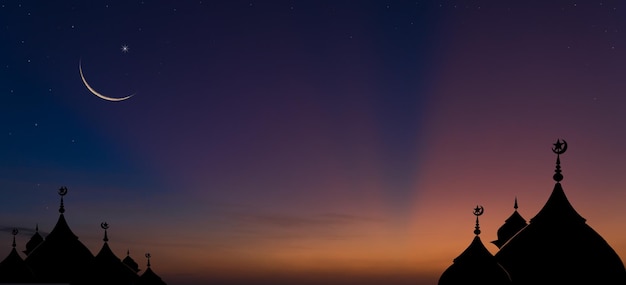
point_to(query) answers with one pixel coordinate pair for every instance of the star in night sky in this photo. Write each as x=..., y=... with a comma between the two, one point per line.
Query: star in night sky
x=278, y=141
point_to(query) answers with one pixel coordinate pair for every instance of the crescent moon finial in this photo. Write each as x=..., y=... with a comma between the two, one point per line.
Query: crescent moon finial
x=62, y=191
x=105, y=226
x=479, y=210
x=148, y=257
x=560, y=146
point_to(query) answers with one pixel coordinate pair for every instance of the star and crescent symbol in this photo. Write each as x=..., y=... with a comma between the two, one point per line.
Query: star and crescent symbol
x=63, y=191
x=104, y=225
x=560, y=146
x=479, y=210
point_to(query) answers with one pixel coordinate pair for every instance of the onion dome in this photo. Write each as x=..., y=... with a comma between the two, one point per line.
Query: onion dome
x=149, y=277
x=558, y=247
x=61, y=257
x=130, y=262
x=511, y=226
x=476, y=265
x=108, y=269
x=34, y=241
x=13, y=269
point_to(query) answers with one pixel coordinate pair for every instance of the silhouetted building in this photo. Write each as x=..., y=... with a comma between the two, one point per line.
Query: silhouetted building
x=556, y=246
x=511, y=226
x=34, y=241
x=13, y=269
x=62, y=258
x=476, y=265
x=108, y=268
x=130, y=262
x=149, y=277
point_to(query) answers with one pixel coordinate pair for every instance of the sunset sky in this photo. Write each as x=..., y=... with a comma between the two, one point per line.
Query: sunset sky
x=307, y=142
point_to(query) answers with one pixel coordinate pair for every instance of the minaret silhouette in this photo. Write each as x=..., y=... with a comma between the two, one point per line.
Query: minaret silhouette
x=476, y=265
x=558, y=247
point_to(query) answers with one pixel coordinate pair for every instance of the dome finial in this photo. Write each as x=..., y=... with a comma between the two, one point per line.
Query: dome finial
x=477, y=212
x=148, y=257
x=14, y=232
x=62, y=192
x=105, y=226
x=515, y=205
x=559, y=148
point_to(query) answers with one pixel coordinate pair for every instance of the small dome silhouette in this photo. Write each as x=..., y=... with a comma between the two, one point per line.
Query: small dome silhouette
x=475, y=266
x=511, y=226
x=13, y=269
x=149, y=277
x=34, y=241
x=130, y=262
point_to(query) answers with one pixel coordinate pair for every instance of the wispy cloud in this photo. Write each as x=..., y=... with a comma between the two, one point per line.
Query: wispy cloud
x=21, y=230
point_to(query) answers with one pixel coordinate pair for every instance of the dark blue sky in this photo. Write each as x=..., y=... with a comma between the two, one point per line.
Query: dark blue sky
x=298, y=137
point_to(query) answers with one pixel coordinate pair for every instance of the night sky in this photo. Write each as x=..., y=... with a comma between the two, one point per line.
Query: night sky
x=307, y=142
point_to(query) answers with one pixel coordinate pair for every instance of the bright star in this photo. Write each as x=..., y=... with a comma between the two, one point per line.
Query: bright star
x=124, y=48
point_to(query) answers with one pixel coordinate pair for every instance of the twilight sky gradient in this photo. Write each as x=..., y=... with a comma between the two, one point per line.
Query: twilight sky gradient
x=315, y=142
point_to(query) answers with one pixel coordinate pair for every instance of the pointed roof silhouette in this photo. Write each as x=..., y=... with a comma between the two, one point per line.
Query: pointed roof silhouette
x=108, y=268
x=511, y=226
x=34, y=241
x=558, y=247
x=130, y=262
x=149, y=277
x=61, y=257
x=476, y=265
x=14, y=269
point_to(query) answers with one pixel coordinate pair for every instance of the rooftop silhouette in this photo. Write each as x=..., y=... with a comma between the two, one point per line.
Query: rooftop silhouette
x=61, y=257
x=555, y=247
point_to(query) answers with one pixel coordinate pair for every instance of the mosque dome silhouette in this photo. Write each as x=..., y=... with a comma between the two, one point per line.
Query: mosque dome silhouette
x=61, y=258
x=555, y=247
x=476, y=265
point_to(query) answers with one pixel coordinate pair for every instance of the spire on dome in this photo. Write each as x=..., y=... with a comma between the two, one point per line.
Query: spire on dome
x=148, y=257
x=62, y=192
x=14, y=232
x=34, y=241
x=511, y=226
x=559, y=148
x=130, y=262
x=105, y=226
x=477, y=212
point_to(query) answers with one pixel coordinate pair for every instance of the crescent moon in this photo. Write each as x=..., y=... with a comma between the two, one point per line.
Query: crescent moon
x=94, y=92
